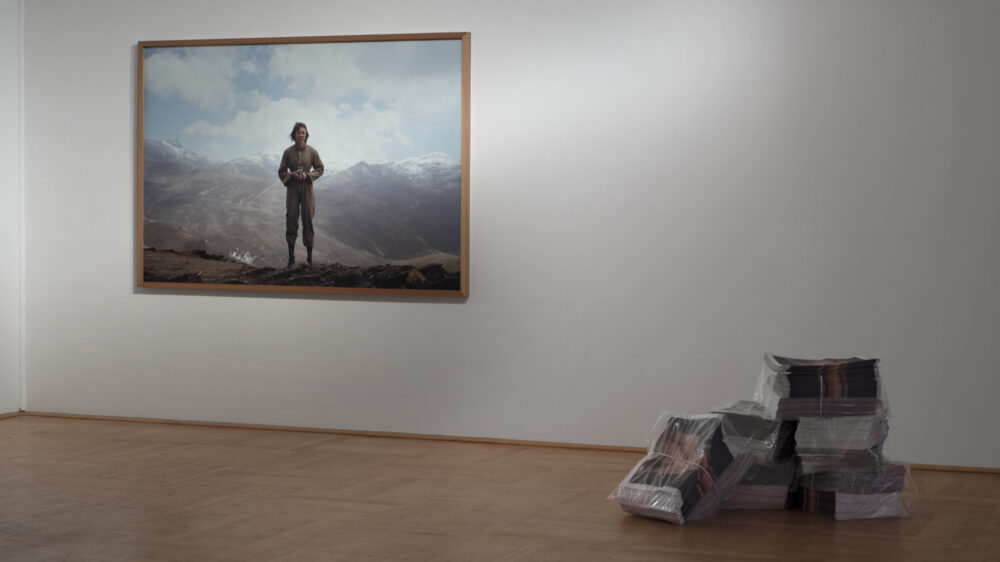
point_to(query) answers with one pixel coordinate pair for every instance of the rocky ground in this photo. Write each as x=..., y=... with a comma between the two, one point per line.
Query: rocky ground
x=198, y=266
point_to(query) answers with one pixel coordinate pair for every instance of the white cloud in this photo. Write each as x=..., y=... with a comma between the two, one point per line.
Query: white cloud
x=379, y=72
x=344, y=135
x=254, y=125
x=202, y=76
x=249, y=67
x=314, y=70
x=363, y=101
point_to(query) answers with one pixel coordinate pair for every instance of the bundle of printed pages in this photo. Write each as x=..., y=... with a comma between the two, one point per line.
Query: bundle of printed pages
x=811, y=440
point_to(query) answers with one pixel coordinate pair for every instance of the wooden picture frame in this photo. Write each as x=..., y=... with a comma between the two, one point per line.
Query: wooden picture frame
x=388, y=117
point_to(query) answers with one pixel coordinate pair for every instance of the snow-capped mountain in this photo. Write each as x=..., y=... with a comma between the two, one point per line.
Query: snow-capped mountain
x=365, y=215
x=428, y=166
x=171, y=151
x=257, y=164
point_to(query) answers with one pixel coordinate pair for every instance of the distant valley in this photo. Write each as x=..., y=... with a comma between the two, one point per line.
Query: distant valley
x=366, y=215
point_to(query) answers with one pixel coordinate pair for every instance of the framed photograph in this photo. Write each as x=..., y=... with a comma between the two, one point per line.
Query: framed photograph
x=306, y=164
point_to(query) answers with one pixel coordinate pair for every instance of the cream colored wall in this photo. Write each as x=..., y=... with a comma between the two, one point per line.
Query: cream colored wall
x=662, y=191
x=10, y=211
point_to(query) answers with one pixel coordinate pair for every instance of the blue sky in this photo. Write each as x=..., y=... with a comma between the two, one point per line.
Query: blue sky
x=364, y=101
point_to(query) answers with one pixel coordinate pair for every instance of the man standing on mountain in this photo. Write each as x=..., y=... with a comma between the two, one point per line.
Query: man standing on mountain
x=300, y=167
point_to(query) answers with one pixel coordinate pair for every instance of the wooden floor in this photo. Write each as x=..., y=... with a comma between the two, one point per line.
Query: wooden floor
x=87, y=490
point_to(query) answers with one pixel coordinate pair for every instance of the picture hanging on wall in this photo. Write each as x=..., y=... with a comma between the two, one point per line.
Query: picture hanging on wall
x=310, y=164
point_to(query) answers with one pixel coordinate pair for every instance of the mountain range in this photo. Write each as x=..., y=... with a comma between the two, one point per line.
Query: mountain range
x=368, y=214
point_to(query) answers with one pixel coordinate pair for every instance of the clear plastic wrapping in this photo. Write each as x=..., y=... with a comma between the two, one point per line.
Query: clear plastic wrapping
x=767, y=483
x=882, y=491
x=811, y=439
x=745, y=429
x=765, y=486
x=693, y=464
x=843, y=442
x=789, y=388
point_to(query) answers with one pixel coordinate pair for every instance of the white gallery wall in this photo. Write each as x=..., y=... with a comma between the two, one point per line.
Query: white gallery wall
x=661, y=192
x=10, y=211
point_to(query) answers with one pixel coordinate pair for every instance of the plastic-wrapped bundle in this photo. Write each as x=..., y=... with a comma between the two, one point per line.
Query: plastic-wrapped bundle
x=764, y=486
x=884, y=491
x=746, y=429
x=790, y=388
x=771, y=444
x=840, y=442
x=661, y=487
x=688, y=472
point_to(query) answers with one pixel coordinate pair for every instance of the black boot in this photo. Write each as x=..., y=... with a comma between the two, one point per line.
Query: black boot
x=309, y=255
x=291, y=254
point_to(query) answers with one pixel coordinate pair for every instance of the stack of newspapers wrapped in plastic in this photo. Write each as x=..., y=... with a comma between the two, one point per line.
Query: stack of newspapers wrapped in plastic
x=694, y=463
x=841, y=418
x=767, y=483
x=811, y=439
x=842, y=442
x=866, y=493
x=789, y=389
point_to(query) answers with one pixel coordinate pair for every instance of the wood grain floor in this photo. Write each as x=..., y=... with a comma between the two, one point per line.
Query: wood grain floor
x=87, y=490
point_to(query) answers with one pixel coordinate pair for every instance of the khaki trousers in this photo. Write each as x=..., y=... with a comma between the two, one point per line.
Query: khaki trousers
x=299, y=196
